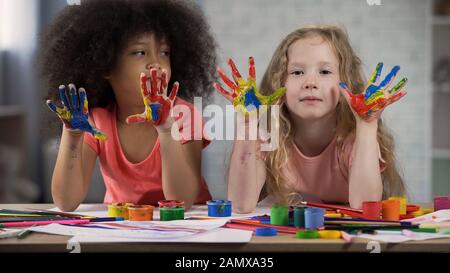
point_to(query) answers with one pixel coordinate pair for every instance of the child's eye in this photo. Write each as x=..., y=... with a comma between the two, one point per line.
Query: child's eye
x=165, y=53
x=138, y=53
x=297, y=72
x=326, y=72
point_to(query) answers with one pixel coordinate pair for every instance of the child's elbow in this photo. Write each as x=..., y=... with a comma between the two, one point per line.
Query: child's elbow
x=356, y=204
x=243, y=208
x=66, y=207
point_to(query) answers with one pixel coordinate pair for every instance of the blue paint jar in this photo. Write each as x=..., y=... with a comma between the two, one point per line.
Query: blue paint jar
x=314, y=218
x=219, y=208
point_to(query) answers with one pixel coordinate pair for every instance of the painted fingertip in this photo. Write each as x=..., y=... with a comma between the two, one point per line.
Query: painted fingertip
x=72, y=86
x=396, y=69
x=343, y=85
x=62, y=87
x=51, y=105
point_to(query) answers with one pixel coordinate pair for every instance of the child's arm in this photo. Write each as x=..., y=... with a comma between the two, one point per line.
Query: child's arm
x=181, y=163
x=181, y=168
x=247, y=173
x=246, y=176
x=75, y=161
x=73, y=170
x=365, y=182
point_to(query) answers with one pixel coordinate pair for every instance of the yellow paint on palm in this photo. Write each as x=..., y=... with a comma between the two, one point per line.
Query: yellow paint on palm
x=375, y=96
x=64, y=113
x=148, y=109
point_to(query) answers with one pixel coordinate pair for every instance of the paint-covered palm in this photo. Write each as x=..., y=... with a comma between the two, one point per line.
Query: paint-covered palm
x=157, y=104
x=245, y=95
x=74, y=113
x=376, y=97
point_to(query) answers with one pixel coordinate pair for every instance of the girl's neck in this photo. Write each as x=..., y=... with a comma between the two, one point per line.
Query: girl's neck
x=122, y=112
x=313, y=136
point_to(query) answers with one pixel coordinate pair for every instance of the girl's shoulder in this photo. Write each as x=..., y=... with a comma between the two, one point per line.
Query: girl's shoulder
x=102, y=116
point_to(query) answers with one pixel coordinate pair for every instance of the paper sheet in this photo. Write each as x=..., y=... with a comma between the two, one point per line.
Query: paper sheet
x=405, y=236
x=211, y=231
x=147, y=230
x=434, y=217
x=220, y=235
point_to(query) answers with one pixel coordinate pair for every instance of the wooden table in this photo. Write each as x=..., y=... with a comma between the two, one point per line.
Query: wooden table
x=39, y=242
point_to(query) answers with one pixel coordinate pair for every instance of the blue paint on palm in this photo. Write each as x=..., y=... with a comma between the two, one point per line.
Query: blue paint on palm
x=369, y=91
x=80, y=121
x=155, y=108
x=250, y=99
x=374, y=88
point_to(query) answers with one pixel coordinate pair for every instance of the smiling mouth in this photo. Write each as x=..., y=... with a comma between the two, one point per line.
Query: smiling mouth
x=310, y=98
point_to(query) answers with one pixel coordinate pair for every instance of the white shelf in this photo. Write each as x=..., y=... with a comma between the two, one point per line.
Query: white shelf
x=441, y=153
x=441, y=20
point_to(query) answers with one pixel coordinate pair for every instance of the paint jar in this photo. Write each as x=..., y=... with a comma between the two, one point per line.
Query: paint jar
x=441, y=202
x=372, y=209
x=391, y=210
x=140, y=213
x=171, y=213
x=119, y=210
x=403, y=202
x=314, y=218
x=279, y=215
x=299, y=216
x=219, y=208
x=170, y=203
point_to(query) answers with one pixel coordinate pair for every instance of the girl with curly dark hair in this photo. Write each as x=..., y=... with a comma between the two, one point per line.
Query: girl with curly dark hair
x=126, y=54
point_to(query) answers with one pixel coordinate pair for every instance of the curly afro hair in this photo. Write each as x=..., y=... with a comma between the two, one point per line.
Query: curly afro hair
x=83, y=44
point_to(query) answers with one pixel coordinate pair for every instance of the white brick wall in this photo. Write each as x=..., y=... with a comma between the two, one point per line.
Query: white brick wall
x=396, y=32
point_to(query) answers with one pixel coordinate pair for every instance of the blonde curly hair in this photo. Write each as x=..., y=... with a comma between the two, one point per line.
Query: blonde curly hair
x=351, y=73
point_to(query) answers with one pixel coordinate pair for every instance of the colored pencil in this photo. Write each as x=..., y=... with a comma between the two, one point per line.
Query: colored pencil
x=40, y=223
x=105, y=219
x=333, y=207
x=30, y=219
x=253, y=223
x=66, y=214
x=365, y=222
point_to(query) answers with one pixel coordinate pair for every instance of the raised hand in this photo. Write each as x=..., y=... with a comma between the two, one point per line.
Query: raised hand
x=375, y=97
x=157, y=104
x=245, y=95
x=74, y=113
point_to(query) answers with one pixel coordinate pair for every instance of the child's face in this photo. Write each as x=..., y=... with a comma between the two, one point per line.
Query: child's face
x=140, y=55
x=312, y=79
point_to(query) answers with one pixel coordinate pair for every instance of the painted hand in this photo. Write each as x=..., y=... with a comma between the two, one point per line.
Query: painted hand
x=245, y=95
x=375, y=97
x=157, y=104
x=74, y=113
